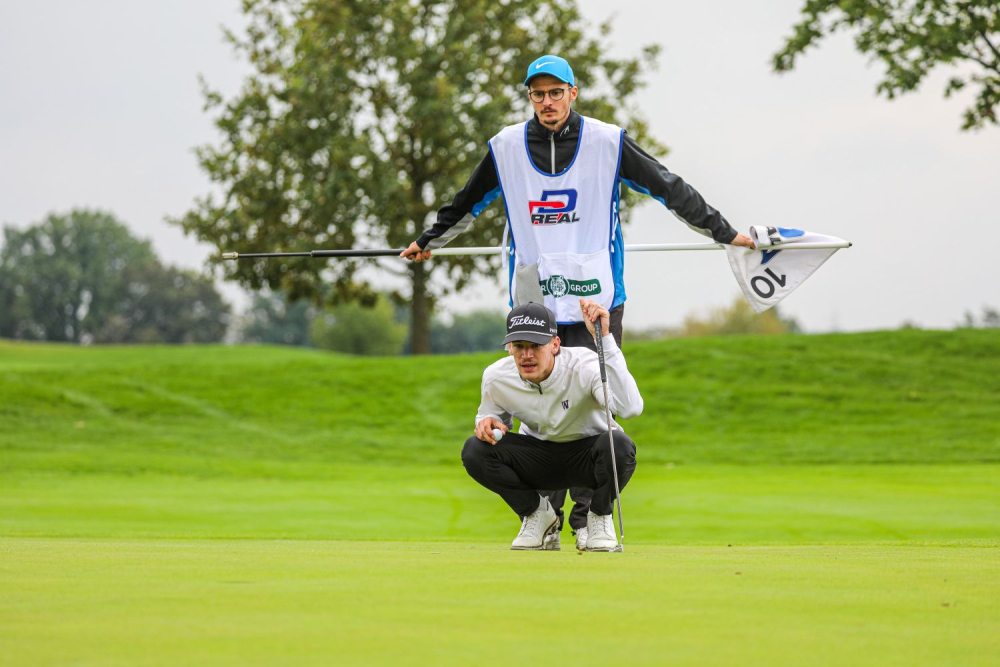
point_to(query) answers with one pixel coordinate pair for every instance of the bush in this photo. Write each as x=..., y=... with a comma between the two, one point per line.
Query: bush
x=356, y=329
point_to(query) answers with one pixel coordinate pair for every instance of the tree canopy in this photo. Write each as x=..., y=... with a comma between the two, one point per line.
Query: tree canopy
x=362, y=117
x=82, y=277
x=912, y=37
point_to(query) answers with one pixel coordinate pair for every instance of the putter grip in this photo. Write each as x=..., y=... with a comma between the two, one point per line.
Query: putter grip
x=600, y=348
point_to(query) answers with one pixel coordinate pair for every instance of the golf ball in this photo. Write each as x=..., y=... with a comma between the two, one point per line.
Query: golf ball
x=497, y=434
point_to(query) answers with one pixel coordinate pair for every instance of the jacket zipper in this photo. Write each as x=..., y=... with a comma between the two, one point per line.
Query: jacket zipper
x=552, y=140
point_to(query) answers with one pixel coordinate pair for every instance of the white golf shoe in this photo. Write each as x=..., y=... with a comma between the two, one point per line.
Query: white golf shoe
x=535, y=527
x=600, y=532
x=581, y=539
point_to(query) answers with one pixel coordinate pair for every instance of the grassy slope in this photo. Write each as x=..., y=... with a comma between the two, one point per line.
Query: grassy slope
x=899, y=397
x=114, y=451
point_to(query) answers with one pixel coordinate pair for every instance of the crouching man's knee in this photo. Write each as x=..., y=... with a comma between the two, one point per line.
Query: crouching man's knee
x=474, y=454
x=624, y=448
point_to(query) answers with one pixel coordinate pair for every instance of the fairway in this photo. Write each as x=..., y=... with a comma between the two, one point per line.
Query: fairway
x=213, y=505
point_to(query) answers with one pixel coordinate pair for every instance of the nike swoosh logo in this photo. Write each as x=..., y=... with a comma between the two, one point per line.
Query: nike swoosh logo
x=540, y=65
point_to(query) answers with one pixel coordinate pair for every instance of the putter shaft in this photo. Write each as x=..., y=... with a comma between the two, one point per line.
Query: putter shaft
x=611, y=440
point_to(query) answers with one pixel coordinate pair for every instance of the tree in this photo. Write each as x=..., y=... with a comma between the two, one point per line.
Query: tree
x=164, y=304
x=738, y=318
x=472, y=332
x=357, y=328
x=989, y=320
x=363, y=117
x=272, y=318
x=912, y=37
x=82, y=277
x=61, y=279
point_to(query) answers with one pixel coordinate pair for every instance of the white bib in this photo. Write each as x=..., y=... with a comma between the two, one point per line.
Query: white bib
x=563, y=223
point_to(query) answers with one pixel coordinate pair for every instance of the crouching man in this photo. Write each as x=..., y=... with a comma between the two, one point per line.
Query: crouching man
x=557, y=395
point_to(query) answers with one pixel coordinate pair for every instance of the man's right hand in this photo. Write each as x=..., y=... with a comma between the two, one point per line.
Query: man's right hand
x=415, y=253
x=484, y=429
x=591, y=311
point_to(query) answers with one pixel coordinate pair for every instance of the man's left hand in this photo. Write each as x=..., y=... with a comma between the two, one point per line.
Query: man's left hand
x=743, y=240
x=591, y=311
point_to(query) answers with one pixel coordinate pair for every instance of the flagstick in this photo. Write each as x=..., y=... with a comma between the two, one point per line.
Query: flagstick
x=492, y=250
x=660, y=247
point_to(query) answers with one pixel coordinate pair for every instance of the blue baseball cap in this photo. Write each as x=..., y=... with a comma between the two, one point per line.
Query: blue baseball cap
x=553, y=66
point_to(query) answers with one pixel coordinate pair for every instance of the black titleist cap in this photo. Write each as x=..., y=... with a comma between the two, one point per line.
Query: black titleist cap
x=532, y=322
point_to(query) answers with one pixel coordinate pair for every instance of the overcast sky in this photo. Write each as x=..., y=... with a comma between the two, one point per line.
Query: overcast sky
x=101, y=108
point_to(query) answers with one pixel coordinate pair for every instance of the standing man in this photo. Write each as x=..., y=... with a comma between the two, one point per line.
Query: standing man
x=560, y=175
x=558, y=396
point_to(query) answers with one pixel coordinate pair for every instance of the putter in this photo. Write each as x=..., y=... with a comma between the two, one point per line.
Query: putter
x=611, y=441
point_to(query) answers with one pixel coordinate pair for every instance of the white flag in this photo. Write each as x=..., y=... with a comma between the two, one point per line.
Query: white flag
x=767, y=275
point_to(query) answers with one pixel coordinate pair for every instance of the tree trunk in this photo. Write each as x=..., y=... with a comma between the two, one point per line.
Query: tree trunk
x=420, y=315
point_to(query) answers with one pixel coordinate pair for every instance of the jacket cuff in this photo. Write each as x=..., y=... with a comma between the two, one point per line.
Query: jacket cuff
x=610, y=345
x=726, y=237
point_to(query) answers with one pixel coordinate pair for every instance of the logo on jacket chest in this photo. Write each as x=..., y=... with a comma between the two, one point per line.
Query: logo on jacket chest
x=554, y=207
x=565, y=404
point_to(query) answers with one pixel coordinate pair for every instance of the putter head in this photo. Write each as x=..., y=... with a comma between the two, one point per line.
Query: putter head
x=620, y=549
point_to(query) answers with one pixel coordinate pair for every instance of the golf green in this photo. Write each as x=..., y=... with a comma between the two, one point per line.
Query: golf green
x=798, y=565
x=164, y=602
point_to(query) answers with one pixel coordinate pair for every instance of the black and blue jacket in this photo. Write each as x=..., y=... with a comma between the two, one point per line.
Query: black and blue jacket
x=552, y=152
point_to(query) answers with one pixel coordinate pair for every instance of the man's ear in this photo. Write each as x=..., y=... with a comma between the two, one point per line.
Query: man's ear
x=556, y=342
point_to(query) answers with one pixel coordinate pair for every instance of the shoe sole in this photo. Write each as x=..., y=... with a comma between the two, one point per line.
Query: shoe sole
x=541, y=547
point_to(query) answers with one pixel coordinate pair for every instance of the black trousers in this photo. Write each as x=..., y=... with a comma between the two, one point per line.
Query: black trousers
x=518, y=465
x=576, y=335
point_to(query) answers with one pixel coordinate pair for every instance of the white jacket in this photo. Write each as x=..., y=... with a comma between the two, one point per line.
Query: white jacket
x=567, y=405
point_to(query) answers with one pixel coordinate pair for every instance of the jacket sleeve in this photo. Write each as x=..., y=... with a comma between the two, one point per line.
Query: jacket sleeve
x=642, y=173
x=454, y=218
x=623, y=392
x=488, y=408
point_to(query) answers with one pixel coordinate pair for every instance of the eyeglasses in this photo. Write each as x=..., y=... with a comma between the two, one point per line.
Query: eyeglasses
x=555, y=94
